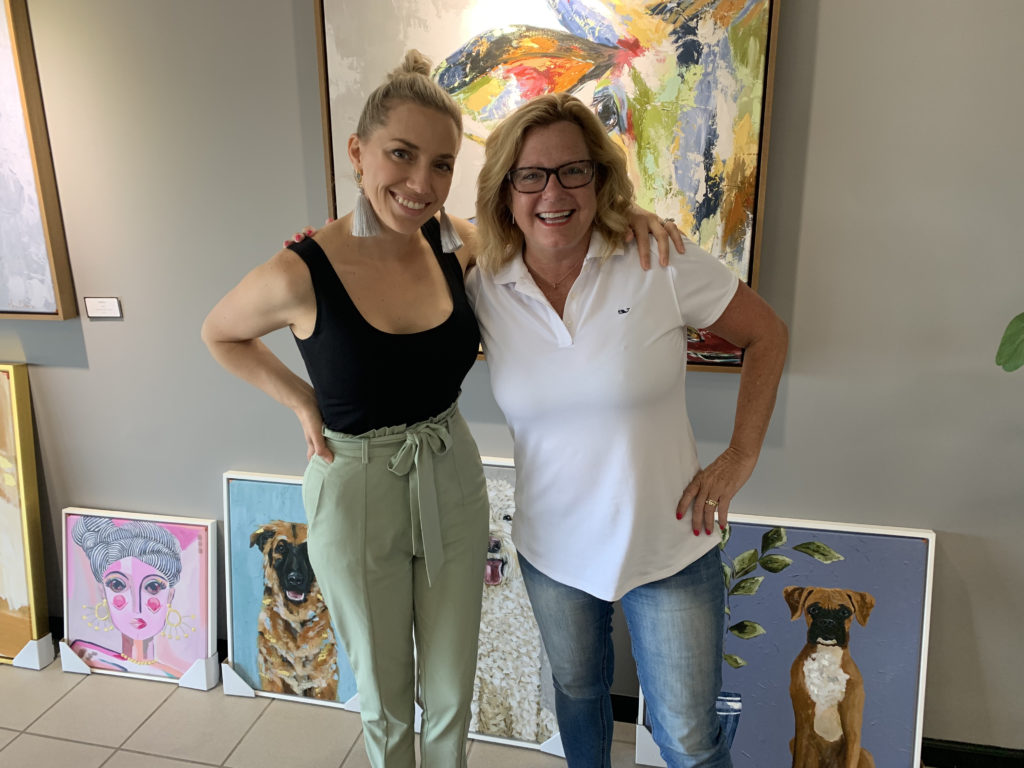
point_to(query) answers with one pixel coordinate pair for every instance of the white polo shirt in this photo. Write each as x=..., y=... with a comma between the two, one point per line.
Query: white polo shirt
x=596, y=404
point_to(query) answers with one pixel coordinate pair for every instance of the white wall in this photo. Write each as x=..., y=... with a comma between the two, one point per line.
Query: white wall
x=186, y=139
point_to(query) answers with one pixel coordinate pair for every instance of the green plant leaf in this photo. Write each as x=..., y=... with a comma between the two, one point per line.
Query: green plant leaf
x=747, y=629
x=747, y=586
x=772, y=539
x=744, y=563
x=733, y=661
x=775, y=563
x=726, y=574
x=726, y=535
x=820, y=552
x=1010, y=355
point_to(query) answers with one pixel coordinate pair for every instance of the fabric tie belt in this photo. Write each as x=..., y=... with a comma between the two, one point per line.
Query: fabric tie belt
x=415, y=459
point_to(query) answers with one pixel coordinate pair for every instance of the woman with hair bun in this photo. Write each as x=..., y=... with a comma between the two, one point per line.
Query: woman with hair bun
x=394, y=491
x=138, y=564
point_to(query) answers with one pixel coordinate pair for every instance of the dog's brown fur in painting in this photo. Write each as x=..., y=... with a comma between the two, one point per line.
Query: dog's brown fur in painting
x=825, y=684
x=295, y=648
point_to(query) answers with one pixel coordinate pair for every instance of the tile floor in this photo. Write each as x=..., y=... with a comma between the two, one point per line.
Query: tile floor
x=53, y=719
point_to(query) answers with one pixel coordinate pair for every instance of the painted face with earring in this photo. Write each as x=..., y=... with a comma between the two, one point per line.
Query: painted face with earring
x=137, y=565
x=138, y=596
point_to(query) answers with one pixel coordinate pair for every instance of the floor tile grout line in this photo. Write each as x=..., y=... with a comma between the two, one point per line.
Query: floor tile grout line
x=167, y=757
x=247, y=732
x=55, y=703
x=148, y=717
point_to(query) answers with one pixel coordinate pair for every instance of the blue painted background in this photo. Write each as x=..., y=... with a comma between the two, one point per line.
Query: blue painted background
x=252, y=503
x=887, y=650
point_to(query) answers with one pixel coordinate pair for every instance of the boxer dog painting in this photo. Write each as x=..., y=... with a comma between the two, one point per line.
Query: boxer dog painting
x=825, y=685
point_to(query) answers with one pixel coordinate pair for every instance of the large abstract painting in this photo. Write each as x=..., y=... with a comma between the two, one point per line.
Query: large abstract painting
x=281, y=640
x=826, y=643
x=683, y=87
x=35, y=277
x=140, y=592
x=23, y=614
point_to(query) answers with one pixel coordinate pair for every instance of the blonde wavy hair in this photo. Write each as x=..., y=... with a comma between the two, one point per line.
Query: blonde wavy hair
x=499, y=237
x=408, y=82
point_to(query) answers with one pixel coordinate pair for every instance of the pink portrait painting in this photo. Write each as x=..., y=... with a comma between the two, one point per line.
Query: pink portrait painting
x=137, y=593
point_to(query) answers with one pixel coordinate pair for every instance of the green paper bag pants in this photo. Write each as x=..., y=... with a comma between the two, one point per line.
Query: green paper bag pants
x=398, y=527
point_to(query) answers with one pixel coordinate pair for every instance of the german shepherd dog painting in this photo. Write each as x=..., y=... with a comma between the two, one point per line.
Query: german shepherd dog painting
x=296, y=651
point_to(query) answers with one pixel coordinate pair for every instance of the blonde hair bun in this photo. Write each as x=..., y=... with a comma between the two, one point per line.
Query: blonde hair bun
x=414, y=63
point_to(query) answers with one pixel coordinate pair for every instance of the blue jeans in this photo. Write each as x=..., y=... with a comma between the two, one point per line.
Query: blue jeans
x=675, y=625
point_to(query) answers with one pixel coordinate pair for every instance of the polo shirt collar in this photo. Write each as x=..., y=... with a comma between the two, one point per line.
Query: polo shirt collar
x=515, y=270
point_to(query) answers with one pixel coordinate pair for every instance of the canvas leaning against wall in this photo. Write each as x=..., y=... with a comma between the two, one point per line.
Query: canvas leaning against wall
x=140, y=592
x=35, y=275
x=281, y=641
x=513, y=698
x=826, y=642
x=684, y=89
x=23, y=614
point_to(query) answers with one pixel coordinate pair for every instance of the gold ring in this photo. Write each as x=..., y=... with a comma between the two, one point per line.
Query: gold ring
x=711, y=503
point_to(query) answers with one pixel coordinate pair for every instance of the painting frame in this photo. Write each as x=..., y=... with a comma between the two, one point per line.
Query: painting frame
x=894, y=566
x=30, y=621
x=512, y=685
x=255, y=499
x=181, y=652
x=46, y=201
x=738, y=178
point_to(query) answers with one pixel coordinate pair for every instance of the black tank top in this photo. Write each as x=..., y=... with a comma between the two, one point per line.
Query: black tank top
x=365, y=378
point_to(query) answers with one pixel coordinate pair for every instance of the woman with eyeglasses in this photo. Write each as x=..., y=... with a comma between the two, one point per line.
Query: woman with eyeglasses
x=587, y=356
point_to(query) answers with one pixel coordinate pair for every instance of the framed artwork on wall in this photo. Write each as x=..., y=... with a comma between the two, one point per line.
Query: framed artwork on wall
x=684, y=89
x=140, y=595
x=23, y=613
x=513, y=698
x=826, y=641
x=281, y=641
x=35, y=274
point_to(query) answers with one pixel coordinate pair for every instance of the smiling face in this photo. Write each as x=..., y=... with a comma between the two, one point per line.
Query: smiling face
x=138, y=596
x=555, y=222
x=407, y=165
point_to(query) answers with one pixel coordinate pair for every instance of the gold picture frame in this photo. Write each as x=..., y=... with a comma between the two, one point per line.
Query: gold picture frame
x=35, y=282
x=23, y=614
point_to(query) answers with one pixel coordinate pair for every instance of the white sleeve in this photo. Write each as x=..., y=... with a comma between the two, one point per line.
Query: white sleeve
x=703, y=286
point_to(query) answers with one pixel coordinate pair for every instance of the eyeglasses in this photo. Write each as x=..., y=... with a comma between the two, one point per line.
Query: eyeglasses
x=534, y=179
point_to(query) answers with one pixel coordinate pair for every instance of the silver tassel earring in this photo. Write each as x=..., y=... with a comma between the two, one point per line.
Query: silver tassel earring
x=450, y=240
x=364, y=220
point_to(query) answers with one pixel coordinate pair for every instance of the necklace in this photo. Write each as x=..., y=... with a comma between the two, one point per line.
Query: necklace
x=144, y=662
x=554, y=285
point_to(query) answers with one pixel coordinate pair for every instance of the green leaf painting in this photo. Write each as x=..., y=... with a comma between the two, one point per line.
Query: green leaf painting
x=773, y=539
x=747, y=629
x=747, y=586
x=775, y=563
x=820, y=552
x=736, y=572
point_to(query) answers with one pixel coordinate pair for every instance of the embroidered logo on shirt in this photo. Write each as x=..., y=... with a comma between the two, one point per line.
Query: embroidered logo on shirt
x=624, y=310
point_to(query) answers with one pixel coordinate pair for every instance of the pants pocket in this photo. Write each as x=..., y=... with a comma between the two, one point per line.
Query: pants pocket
x=312, y=487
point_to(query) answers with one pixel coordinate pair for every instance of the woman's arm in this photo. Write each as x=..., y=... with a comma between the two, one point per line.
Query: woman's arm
x=747, y=322
x=275, y=295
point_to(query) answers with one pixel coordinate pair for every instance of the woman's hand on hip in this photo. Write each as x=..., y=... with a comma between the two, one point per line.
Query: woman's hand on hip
x=313, y=430
x=711, y=490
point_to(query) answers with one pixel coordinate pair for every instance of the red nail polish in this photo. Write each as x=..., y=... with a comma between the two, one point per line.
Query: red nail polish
x=696, y=533
x=707, y=531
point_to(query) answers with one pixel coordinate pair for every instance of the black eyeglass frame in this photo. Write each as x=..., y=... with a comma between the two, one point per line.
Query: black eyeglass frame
x=548, y=173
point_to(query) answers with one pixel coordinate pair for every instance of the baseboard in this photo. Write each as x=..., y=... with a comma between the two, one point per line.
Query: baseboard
x=936, y=753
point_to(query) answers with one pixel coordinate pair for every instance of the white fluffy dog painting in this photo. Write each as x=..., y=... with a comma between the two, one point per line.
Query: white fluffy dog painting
x=512, y=673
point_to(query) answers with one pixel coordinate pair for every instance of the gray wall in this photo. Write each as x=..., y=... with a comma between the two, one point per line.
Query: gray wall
x=186, y=139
